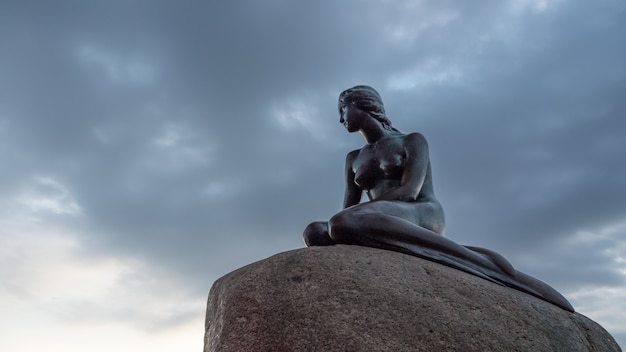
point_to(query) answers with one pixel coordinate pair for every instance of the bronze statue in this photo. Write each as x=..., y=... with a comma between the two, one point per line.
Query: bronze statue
x=402, y=213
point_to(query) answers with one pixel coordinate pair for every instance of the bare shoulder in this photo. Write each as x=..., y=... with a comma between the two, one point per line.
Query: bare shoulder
x=415, y=139
x=352, y=155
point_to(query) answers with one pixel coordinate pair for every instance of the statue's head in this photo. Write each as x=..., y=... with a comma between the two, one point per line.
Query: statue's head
x=367, y=99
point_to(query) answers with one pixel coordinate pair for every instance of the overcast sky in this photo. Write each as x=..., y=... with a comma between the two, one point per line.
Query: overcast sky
x=149, y=147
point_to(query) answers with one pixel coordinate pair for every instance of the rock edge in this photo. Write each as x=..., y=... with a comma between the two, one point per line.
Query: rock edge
x=350, y=298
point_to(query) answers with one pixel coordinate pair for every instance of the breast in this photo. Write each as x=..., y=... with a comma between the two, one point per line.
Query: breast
x=366, y=177
x=392, y=166
x=371, y=169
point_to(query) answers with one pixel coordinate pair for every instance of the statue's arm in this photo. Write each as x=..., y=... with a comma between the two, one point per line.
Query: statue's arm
x=415, y=169
x=353, y=193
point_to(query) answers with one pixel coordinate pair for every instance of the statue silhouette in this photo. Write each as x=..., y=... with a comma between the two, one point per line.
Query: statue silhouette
x=402, y=213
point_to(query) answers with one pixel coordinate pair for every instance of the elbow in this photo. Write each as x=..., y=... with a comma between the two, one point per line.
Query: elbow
x=400, y=195
x=411, y=195
x=411, y=198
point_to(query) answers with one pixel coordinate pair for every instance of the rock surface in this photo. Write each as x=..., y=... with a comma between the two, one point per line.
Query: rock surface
x=350, y=298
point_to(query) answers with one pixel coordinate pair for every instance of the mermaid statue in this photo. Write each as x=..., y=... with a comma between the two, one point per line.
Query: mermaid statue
x=402, y=213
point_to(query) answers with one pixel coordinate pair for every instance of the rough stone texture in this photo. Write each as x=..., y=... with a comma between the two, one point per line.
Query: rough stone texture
x=349, y=298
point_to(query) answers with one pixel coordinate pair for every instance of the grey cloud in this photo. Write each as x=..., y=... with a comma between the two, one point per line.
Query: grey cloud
x=160, y=119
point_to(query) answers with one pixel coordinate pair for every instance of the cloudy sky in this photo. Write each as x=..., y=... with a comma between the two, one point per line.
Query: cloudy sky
x=149, y=147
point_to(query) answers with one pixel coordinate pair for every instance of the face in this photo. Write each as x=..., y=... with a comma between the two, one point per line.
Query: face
x=351, y=117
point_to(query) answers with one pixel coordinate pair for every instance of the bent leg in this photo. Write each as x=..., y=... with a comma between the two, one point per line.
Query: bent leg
x=316, y=234
x=391, y=225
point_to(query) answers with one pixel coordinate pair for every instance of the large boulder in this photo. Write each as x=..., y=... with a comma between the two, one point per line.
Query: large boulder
x=350, y=298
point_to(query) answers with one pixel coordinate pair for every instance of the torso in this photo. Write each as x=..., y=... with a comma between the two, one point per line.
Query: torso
x=378, y=167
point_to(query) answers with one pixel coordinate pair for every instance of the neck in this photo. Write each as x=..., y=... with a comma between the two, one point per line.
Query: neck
x=374, y=132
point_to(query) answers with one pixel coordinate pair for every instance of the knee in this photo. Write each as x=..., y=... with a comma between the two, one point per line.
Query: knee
x=343, y=227
x=316, y=234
